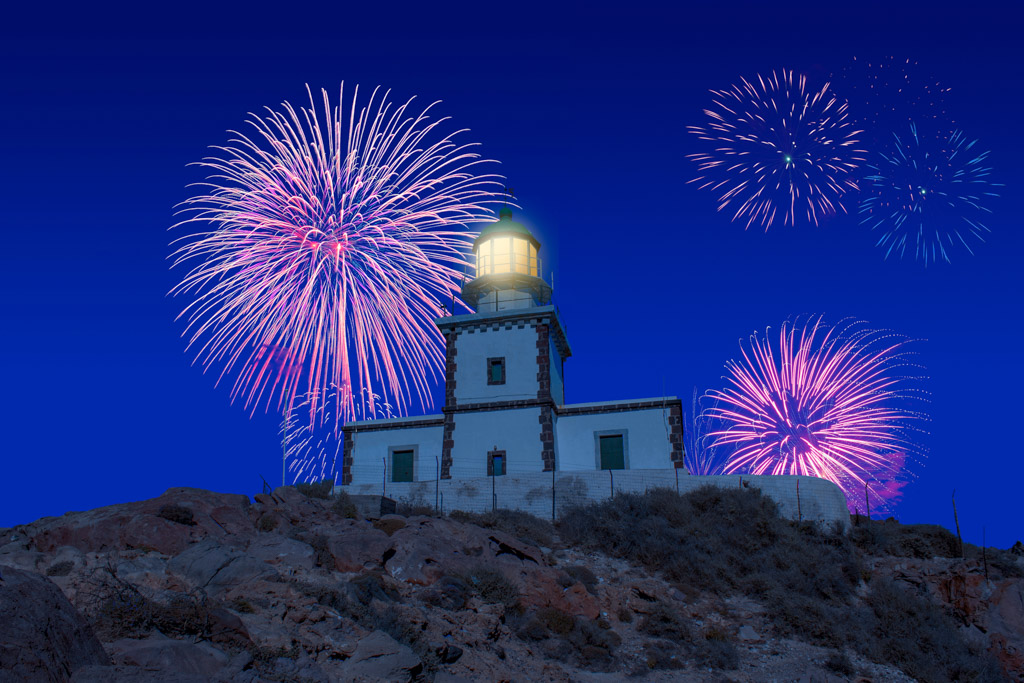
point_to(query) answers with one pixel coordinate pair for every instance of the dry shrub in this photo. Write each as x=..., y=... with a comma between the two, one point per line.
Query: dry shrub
x=177, y=513
x=492, y=586
x=584, y=575
x=913, y=633
x=267, y=523
x=117, y=609
x=734, y=541
x=889, y=537
x=563, y=636
x=62, y=568
x=344, y=507
x=663, y=622
x=522, y=525
x=449, y=592
x=320, y=490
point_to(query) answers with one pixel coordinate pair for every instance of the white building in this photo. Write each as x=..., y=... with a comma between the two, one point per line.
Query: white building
x=505, y=411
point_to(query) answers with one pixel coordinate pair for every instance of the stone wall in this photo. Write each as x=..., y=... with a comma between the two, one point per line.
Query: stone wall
x=806, y=498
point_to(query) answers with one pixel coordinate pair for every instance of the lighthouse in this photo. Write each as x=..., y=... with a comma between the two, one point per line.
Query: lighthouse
x=504, y=411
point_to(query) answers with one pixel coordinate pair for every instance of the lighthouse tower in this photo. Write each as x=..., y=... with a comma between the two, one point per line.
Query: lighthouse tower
x=504, y=407
x=504, y=362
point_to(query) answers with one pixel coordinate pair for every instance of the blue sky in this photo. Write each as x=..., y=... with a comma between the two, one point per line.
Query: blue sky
x=586, y=107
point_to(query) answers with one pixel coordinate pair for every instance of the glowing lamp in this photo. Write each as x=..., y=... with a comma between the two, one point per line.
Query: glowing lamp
x=507, y=268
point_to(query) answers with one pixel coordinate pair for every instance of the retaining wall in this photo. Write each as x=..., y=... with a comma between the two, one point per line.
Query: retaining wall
x=818, y=499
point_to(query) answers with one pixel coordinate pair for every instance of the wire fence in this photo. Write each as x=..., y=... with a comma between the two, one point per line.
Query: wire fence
x=548, y=494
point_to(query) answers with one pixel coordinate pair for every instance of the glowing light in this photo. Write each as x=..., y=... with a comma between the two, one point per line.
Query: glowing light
x=828, y=402
x=330, y=239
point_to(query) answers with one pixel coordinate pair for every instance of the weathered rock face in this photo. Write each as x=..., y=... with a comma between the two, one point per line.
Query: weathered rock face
x=42, y=636
x=379, y=657
x=199, y=586
x=225, y=517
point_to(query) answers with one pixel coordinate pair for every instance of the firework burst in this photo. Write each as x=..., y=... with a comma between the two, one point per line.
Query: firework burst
x=925, y=195
x=777, y=150
x=331, y=237
x=886, y=93
x=826, y=401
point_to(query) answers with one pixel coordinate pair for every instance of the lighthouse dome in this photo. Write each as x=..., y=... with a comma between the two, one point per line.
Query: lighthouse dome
x=507, y=268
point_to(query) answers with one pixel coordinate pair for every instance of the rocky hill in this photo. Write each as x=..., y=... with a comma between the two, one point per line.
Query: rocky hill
x=297, y=586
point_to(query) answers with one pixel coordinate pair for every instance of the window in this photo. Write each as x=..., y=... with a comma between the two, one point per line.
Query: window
x=496, y=463
x=496, y=370
x=520, y=249
x=401, y=465
x=613, y=455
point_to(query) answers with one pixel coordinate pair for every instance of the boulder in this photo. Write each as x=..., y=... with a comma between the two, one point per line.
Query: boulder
x=42, y=636
x=139, y=525
x=215, y=567
x=357, y=546
x=161, y=653
x=280, y=550
x=379, y=657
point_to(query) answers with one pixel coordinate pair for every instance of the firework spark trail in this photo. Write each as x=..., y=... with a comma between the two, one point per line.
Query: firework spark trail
x=778, y=149
x=926, y=195
x=313, y=448
x=330, y=241
x=886, y=93
x=700, y=458
x=825, y=401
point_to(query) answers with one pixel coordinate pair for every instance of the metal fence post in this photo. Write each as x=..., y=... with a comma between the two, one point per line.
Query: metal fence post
x=552, y=494
x=437, y=484
x=799, y=509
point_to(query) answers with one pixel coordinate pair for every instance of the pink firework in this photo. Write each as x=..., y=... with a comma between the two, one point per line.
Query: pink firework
x=331, y=238
x=777, y=150
x=827, y=402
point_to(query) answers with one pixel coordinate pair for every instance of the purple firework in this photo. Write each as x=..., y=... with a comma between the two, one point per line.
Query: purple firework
x=331, y=236
x=830, y=402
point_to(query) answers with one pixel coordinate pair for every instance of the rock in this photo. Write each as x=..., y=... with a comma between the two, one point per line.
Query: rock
x=138, y=525
x=42, y=636
x=216, y=567
x=389, y=524
x=134, y=674
x=357, y=546
x=381, y=657
x=279, y=550
x=445, y=677
x=748, y=635
x=161, y=653
x=228, y=628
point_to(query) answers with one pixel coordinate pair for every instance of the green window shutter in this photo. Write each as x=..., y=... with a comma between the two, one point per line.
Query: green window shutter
x=401, y=466
x=612, y=453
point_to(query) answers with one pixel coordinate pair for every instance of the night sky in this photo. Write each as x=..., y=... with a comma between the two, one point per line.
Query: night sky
x=586, y=107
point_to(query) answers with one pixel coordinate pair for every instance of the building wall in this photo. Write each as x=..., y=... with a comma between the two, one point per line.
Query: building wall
x=515, y=431
x=804, y=498
x=646, y=439
x=517, y=344
x=371, y=450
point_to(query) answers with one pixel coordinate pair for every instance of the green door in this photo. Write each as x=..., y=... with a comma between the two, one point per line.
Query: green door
x=401, y=466
x=612, y=454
